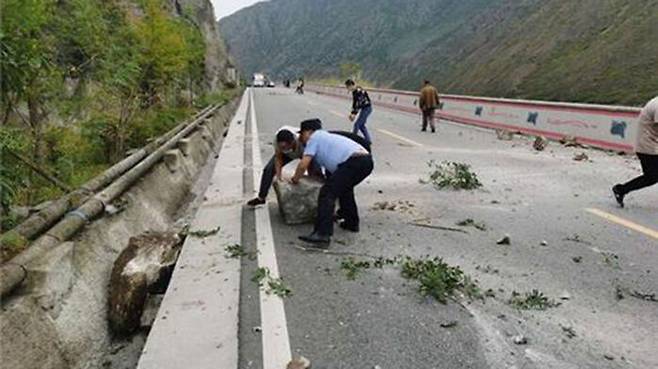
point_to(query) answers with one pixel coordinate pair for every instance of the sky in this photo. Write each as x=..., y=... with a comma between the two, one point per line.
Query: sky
x=227, y=7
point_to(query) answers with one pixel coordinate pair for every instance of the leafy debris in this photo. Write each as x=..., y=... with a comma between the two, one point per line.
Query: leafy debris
x=438, y=279
x=611, y=259
x=452, y=175
x=274, y=286
x=237, y=251
x=534, y=300
x=353, y=268
x=203, y=233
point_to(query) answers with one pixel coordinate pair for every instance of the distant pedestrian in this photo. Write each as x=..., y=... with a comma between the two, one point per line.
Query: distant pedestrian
x=428, y=102
x=647, y=152
x=361, y=106
x=300, y=86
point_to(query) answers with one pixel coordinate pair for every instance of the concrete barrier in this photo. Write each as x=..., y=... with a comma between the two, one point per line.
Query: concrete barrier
x=601, y=126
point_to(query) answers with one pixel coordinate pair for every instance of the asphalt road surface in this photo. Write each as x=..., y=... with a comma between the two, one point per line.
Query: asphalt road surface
x=568, y=240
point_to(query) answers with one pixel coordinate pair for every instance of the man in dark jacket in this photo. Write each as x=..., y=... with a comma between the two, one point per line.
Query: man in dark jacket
x=362, y=106
x=428, y=102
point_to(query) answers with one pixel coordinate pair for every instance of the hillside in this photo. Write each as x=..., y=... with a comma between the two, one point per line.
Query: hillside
x=84, y=81
x=591, y=50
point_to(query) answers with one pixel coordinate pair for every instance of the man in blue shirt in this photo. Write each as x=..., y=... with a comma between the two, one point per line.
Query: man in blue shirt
x=349, y=164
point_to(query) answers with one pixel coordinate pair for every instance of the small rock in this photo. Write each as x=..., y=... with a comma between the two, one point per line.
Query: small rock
x=520, y=340
x=543, y=243
x=506, y=240
x=608, y=357
x=565, y=296
x=449, y=324
x=581, y=157
x=299, y=363
x=577, y=259
x=540, y=143
x=111, y=209
x=568, y=330
x=256, y=329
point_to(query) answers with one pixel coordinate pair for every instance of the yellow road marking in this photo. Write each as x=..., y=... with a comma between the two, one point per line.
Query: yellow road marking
x=623, y=222
x=396, y=136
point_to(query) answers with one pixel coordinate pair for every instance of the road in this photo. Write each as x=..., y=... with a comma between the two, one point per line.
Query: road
x=568, y=240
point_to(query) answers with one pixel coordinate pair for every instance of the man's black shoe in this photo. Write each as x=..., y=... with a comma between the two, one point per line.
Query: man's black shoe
x=433, y=130
x=319, y=241
x=423, y=129
x=619, y=196
x=348, y=227
x=255, y=202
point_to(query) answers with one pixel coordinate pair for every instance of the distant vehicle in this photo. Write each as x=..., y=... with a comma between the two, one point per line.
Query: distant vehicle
x=259, y=80
x=271, y=84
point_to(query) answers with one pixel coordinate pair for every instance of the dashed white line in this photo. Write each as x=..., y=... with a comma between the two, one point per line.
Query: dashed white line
x=274, y=327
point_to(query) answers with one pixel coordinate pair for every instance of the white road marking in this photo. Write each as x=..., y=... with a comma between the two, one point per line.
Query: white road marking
x=401, y=138
x=276, y=342
x=623, y=222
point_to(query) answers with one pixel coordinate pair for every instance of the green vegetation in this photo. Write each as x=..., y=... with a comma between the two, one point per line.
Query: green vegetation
x=451, y=175
x=353, y=268
x=274, y=286
x=534, y=300
x=582, y=51
x=438, y=279
x=238, y=251
x=203, y=233
x=83, y=81
x=435, y=277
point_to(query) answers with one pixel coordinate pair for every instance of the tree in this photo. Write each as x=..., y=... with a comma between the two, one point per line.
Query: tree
x=350, y=70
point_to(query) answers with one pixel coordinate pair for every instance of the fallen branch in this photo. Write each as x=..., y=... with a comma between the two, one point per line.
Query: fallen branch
x=441, y=228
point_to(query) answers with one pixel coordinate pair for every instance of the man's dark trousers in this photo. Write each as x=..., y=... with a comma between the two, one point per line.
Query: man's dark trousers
x=341, y=186
x=428, y=118
x=649, y=178
x=268, y=176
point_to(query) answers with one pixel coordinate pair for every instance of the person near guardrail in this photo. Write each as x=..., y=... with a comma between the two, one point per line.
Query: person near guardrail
x=428, y=102
x=349, y=164
x=647, y=152
x=287, y=147
x=361, y=106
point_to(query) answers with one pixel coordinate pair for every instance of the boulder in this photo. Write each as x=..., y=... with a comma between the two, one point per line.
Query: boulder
x=298, y=203
x=144, y=267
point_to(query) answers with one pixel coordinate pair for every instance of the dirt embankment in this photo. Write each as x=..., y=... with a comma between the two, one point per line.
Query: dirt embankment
x=58, y=319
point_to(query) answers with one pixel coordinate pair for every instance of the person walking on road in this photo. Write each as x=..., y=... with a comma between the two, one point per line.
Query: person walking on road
x=300, y=86
x=647, y=152
x=287, y=148
x=349, y=164
x=428, y=102
x=361, y=106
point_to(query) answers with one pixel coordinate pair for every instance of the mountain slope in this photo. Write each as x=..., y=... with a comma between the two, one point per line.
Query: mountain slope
x=589, y=50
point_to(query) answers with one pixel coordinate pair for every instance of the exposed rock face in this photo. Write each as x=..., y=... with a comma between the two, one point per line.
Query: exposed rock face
x=145, y=266
x=298, y=203
x=217, y=60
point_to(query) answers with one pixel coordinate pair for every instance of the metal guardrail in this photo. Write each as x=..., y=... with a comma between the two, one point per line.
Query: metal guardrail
x=602, y=126
x=60, y=222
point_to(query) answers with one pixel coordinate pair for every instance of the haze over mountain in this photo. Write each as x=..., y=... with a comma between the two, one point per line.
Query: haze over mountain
x=588, y=50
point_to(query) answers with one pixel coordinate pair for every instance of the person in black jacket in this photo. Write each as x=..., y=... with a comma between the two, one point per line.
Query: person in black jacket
x=362, y=106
